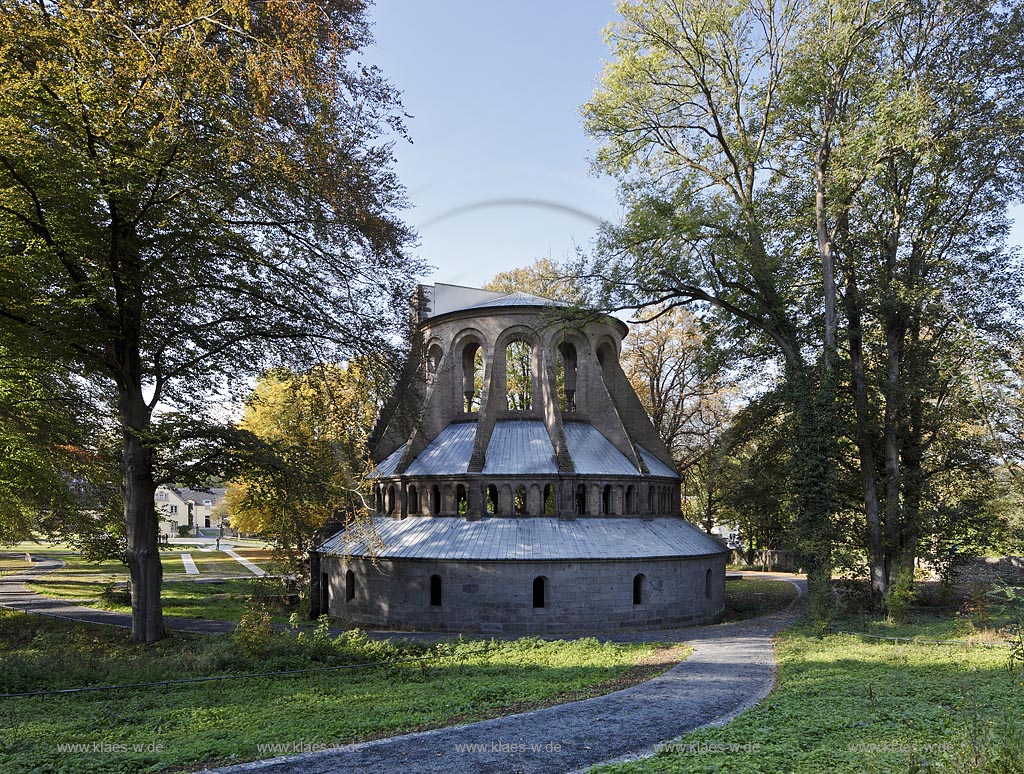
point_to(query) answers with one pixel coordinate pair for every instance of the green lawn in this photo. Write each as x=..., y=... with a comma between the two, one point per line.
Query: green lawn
x=89, y=584
x=12, y=564
x=207, y=723
x=218, y=564
x=848, y=704
x=749, y=597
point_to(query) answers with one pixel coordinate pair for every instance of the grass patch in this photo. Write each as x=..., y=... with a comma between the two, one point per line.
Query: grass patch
x=847, y=704
x=750, y=597
x=90, y=584
x=224, y=601
x=218, y=564
x=210, y=723
x=13, y=564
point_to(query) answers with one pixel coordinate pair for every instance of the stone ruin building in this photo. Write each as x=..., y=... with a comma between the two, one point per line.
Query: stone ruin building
x=520, y=486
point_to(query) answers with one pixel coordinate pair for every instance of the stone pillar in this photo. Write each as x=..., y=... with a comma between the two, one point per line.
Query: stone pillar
x=505, y=503
x=474, y=501
x=534, y=501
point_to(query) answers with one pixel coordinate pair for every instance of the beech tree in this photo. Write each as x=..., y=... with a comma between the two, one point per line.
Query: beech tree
x=788, y=164
x=190, y=192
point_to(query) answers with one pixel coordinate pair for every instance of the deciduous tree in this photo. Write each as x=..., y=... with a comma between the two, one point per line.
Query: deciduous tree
x=190, y=192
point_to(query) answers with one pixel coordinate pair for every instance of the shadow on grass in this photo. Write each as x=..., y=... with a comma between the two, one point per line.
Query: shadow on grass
x=198, y=723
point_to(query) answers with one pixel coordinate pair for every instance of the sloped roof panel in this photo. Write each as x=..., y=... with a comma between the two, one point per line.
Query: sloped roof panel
x=656, y=466
x=542, y=539
x=389, y=464
x=448, y=454
x=592, y=453
x=520, y=448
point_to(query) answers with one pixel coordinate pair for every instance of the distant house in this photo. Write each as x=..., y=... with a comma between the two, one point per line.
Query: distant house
x=187, y=510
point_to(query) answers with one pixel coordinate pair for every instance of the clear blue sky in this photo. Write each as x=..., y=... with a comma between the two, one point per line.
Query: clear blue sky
x=498, y=171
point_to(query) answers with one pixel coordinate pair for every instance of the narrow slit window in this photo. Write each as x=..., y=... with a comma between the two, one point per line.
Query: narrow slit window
x=435, y=591
x=540, y=592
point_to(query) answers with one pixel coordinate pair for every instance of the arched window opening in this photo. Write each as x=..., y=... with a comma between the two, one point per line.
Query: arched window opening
x=638, y=589
x=391, y=499
x=434, y=355
x=549, y=500
x=492, y=499
x=435, y=591
x=707, y=584
x=519, y=376
x=565, y=376
x=606, y=499
x=414, y=499
x=472, y=376
x=630, y=500
x=435, y=500
x=350, y=586
x=461, y=502
x=519, y=501
x=650, y=500
x=325, y=593
x=581, y=500
x=540, y=591
x=606, y=357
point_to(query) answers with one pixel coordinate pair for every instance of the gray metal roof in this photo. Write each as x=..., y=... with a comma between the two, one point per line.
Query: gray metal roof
x=503, y=538
x=592, y=453
x=448, y=454
x=656, y=466
x=388, y=466
x=520, y=448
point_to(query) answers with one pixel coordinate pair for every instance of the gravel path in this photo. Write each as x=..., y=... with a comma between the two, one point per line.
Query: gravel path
x=732, y=667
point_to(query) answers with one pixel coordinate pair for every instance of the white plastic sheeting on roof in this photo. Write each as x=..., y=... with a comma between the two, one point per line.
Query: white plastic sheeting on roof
x=520, y=448
x=519, y=299
x=534, y=538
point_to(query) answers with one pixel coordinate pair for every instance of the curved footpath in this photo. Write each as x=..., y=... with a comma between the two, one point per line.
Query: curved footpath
x=732, y=667
x=14, y=594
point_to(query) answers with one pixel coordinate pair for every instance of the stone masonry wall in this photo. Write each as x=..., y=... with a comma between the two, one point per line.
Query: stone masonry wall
x=1008, y=569
x=497, y=597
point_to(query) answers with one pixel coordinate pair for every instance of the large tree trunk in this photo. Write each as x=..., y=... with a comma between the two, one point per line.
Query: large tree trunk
x=814, y=477
x=912, y=451
x=891, y=439
x=913, y=482
x=137, y=489
x=865, y=444
x=137, y=480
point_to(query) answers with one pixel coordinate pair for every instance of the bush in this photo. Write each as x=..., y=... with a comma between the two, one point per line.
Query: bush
x=900, y=597
x=254, y=632
x=117, y=594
